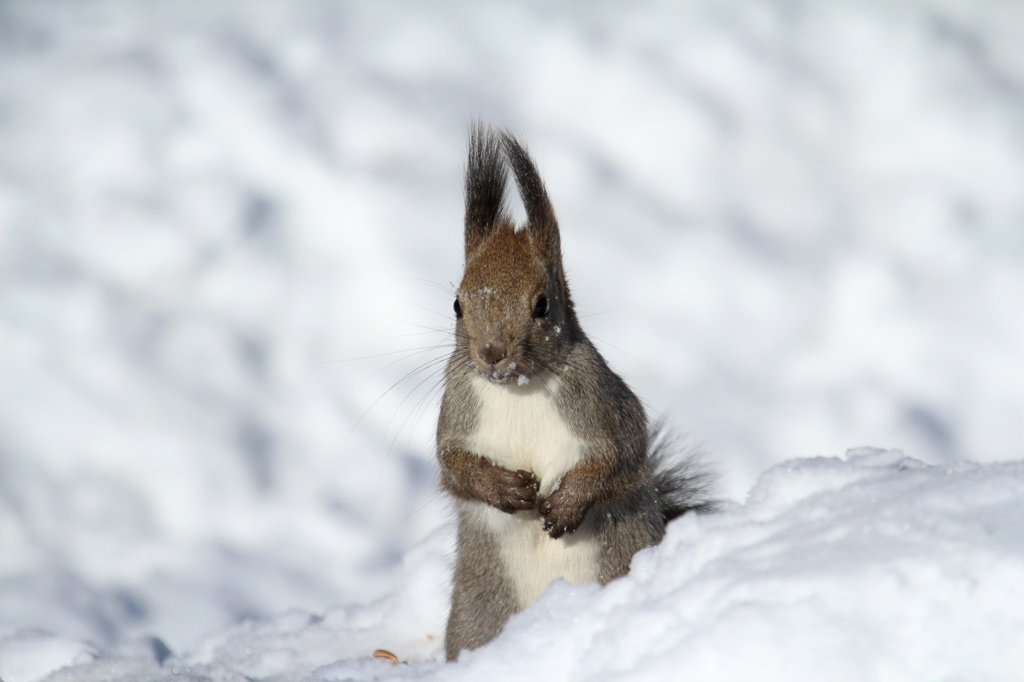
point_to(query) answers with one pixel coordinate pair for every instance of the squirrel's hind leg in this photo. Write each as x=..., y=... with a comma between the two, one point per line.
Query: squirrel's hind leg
x=483, y=598
x=623, y=527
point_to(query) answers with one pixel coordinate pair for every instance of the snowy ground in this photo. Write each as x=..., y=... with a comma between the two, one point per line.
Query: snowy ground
x=229, y=229
x=871, y=567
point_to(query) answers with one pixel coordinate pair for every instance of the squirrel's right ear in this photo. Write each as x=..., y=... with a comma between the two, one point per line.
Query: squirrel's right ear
x=540, y=216
x=486, y=178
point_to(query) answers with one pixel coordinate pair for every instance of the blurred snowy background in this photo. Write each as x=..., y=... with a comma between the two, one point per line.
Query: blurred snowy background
x=230, y=231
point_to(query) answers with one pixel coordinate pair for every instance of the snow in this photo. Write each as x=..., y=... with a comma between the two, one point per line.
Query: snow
x=229, y=238
x=32, y=655
x=872, y=566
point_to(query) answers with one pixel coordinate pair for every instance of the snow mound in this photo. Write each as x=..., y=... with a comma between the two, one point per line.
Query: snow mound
x=874, y=566
x=31, y=655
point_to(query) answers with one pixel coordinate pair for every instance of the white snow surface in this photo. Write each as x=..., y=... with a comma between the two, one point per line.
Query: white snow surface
x=229, y=236
x=871, y=567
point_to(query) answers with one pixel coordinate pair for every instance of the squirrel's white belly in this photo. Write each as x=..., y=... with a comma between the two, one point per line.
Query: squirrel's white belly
x=519, y=427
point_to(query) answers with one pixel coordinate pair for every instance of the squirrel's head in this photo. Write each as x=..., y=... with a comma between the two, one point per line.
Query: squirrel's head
x=515, y=318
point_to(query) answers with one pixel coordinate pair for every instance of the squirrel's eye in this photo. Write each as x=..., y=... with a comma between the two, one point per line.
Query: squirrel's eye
x=541, y=309
x=458, y=308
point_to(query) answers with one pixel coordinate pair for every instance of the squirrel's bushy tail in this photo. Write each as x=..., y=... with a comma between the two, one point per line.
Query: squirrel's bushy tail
x=682, y=480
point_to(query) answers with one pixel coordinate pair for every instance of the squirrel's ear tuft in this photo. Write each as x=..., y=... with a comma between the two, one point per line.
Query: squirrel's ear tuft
x=486, y=178
x=540, y=216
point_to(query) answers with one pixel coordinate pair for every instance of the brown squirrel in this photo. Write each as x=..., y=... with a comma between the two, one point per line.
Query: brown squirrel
x=546, y=450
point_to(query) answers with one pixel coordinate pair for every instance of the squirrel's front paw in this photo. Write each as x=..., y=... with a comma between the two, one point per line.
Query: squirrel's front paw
x=559, y=516
x=511, y=491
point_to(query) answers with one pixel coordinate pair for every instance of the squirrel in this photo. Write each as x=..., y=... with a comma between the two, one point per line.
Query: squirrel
x=547, y=452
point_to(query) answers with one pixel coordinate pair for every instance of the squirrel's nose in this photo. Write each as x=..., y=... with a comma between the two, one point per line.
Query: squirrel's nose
x=492, y=353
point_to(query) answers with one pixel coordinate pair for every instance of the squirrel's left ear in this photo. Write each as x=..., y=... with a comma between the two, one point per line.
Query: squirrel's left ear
x=486, y=178
x=540, y=216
